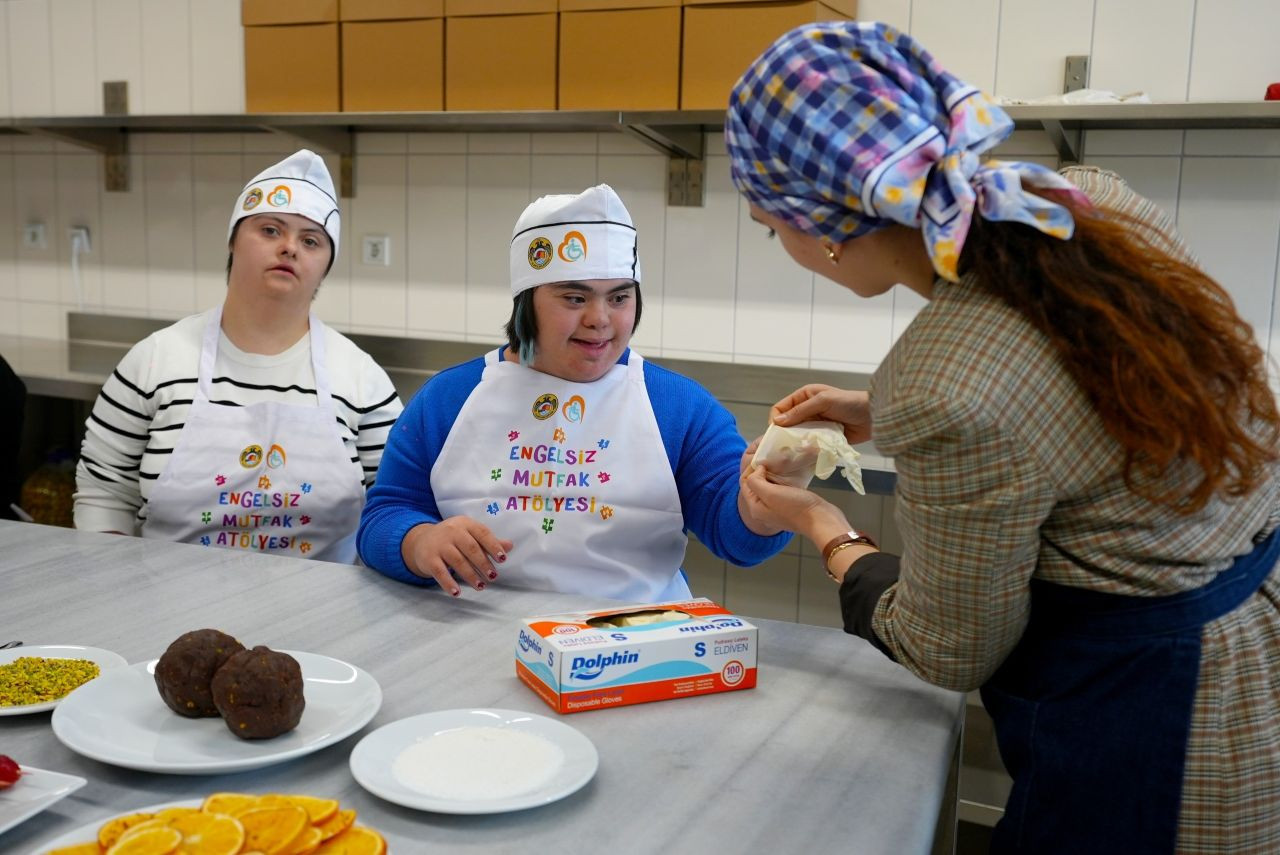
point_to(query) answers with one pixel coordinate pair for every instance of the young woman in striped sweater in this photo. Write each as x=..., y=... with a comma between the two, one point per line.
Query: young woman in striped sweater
x=253, y=425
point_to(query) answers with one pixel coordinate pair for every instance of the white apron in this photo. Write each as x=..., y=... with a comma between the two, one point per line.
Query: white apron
x=575, y=475
x=265, y=477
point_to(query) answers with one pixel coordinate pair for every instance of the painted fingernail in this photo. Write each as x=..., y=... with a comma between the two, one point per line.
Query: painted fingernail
x=502, y=556
x=493, y=574
x=455, y=592
x=479, y=586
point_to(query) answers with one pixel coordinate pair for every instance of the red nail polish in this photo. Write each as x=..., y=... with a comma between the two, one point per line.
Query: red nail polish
x=479, y=586
x=493, y=575
x=455, y=592
x=502, y=556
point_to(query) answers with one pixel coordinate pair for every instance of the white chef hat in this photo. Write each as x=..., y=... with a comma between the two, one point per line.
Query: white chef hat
x=299, y=184
x=568, y=238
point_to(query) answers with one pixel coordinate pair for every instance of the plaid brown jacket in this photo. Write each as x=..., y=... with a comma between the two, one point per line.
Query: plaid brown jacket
x=1006, y=473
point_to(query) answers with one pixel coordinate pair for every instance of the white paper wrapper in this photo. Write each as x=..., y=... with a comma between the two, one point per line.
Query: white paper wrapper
x=794, y=455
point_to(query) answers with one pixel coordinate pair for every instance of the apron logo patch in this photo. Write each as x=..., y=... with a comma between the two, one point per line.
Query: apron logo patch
x=280, y=197
x=575, y=408
x=539, y=253
x=573, y=247
x=252, y=199
x=275, y=457
x=251, y=456
x=543, y=408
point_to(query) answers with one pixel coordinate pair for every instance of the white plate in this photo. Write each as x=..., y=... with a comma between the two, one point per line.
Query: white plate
x=89, y=831
x=104, y=658
x=563, y=761
x=120, y=719
x=33, y=792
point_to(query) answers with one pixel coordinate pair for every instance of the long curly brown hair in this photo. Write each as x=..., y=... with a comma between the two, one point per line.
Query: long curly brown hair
x=1157, y=346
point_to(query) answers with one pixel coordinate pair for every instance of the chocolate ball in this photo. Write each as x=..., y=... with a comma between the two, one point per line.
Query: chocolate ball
x=186, y=668
x=258, y=693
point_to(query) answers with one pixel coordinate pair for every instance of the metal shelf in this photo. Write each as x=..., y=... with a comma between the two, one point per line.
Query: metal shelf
x=675, y=133
x=1064, y=123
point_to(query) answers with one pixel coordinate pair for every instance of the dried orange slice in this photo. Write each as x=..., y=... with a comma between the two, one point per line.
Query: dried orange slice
x=336, y=824
x=152, y=840
x=78, y=849
x=272, y=829
x=318, y=809
x=110, y=831
x=356, y=840
x=228, y=803
x=209, y=833
x=305, y=843
x=154, y=822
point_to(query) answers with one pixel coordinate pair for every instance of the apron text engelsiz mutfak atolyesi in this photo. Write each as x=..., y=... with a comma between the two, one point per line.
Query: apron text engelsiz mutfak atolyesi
x=266, y=477
x=574, y=474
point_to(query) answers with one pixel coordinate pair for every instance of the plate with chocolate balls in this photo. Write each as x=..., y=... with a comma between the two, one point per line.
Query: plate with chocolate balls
x=209, y=704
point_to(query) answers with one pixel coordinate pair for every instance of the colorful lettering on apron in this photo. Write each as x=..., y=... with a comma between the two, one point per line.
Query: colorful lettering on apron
x=574, y=474
x=266, y=477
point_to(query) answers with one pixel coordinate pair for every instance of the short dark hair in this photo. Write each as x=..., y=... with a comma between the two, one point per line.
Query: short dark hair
x=231, y=255
x=522, y=326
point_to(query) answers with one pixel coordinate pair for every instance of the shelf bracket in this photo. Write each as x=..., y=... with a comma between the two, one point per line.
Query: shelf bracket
x=1065, y=140
x=111, y=143
x=685, y=185
x=683, y=146
x=339, y=140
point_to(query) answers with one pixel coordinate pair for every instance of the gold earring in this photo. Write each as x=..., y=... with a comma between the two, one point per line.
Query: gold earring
x=832, y=254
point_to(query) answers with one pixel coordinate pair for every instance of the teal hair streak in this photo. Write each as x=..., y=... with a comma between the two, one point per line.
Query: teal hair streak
x=526, y=331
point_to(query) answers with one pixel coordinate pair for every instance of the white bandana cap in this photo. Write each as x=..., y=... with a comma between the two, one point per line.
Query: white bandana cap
x=299, y=184
x=568, y=238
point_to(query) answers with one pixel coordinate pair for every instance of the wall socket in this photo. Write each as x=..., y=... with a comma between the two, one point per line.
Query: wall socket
x=376, y=249
x=33, y=236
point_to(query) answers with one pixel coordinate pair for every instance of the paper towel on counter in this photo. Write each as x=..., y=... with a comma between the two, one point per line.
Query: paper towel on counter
x=794, y=455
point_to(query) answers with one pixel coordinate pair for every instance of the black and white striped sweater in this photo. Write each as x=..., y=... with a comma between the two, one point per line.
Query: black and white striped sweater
x=143, y=406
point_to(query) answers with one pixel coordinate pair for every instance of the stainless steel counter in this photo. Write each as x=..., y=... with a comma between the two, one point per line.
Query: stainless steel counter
x=836, y=750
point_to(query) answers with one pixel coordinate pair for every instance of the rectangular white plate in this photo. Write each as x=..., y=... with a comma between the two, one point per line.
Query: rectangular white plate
x=34, y=791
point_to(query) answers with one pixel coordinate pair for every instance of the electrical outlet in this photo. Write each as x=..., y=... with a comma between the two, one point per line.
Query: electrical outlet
x=33, y=236
x=376, y=250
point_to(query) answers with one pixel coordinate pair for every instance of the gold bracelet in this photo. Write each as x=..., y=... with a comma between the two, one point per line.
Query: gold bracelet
x=835, y=550
x=843, y=541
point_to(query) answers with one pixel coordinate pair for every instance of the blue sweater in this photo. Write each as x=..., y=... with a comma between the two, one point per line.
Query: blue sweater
x=701, y=440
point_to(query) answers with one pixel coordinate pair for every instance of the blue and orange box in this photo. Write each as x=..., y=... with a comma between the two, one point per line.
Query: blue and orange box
x=636, y=654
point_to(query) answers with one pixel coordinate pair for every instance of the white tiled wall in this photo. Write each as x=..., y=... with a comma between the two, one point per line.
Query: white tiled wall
x=715, y=288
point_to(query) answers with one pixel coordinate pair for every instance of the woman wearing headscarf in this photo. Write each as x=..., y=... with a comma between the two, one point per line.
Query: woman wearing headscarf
x=564, y=457
x=1085, y=445
x=253, y=425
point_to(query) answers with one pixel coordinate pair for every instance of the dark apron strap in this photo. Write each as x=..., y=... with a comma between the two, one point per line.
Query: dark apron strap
x=1092, y=712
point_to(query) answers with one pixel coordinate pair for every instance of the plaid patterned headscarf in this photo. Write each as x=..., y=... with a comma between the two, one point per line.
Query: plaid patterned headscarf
x=843, y=128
